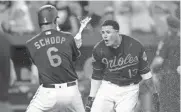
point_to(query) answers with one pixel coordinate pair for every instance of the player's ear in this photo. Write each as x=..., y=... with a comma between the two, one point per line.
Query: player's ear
x=55, y=21
x=117, y=31
x=56, y=24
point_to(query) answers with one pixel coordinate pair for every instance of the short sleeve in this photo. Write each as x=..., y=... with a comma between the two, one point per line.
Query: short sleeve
x=28, y=55
x=143, y=62
x=98, y=66
x=75, y=51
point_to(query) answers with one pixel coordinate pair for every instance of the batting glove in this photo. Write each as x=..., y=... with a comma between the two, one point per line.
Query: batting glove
x=89, y=104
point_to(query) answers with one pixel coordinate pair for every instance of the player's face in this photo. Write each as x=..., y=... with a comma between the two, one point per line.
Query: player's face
x=173, y=31
x=109, y=35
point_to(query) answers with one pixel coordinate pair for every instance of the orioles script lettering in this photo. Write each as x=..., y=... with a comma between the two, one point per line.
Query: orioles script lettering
x=118, y=63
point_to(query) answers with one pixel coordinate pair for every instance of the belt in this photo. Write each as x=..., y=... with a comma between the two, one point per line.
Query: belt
x=124, y=83
x=68, y=84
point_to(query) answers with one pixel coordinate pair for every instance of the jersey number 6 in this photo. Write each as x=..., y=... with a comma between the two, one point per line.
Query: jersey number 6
x=55, y=60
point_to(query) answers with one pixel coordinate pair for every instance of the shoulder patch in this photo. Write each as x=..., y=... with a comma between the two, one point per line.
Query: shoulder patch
x=144, y=56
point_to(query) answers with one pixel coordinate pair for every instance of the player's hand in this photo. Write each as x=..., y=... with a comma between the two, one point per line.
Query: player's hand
x=84, y=23
x=89, y=104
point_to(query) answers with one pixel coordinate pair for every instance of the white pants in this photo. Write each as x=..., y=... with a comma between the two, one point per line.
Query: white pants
x=5, y=107
x=113, y=98
x=64, y=99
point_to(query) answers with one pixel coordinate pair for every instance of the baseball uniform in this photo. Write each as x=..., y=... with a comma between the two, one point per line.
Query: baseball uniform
x=170, y=79
x=53, y=52
x=120, y=70
x=5, y=76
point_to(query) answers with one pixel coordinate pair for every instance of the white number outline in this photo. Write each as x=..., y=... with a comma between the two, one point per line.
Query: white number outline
x=132, y=72
x=53, y=57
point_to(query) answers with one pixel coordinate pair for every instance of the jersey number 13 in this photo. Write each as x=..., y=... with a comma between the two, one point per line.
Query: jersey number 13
x=54, y=59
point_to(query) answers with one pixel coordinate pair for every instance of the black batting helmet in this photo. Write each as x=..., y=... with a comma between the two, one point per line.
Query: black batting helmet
x=47, y=14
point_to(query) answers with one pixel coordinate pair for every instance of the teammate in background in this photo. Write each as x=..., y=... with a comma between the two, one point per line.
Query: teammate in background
x=53, y=52
x=168, y=61
x=7, y=72
x=119, y=65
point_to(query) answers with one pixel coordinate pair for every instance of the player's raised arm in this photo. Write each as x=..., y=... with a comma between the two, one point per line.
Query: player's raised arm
x=78, y=37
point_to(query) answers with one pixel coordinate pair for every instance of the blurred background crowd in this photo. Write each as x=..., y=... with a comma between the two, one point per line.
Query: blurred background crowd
x=147, y=21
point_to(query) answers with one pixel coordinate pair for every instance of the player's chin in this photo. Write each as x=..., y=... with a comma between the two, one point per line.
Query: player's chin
x=107, y=44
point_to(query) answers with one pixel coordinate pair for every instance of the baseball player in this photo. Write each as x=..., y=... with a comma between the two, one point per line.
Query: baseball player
x=168, y=59
x=6, y=77
x=119, y=64
x=53, y=52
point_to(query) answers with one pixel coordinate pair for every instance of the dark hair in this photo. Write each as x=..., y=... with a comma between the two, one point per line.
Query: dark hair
x=173, y=22
x=83, y=3
x=112, y=23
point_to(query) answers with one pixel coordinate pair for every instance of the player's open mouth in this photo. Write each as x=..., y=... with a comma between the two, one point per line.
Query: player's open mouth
x=106, y=41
